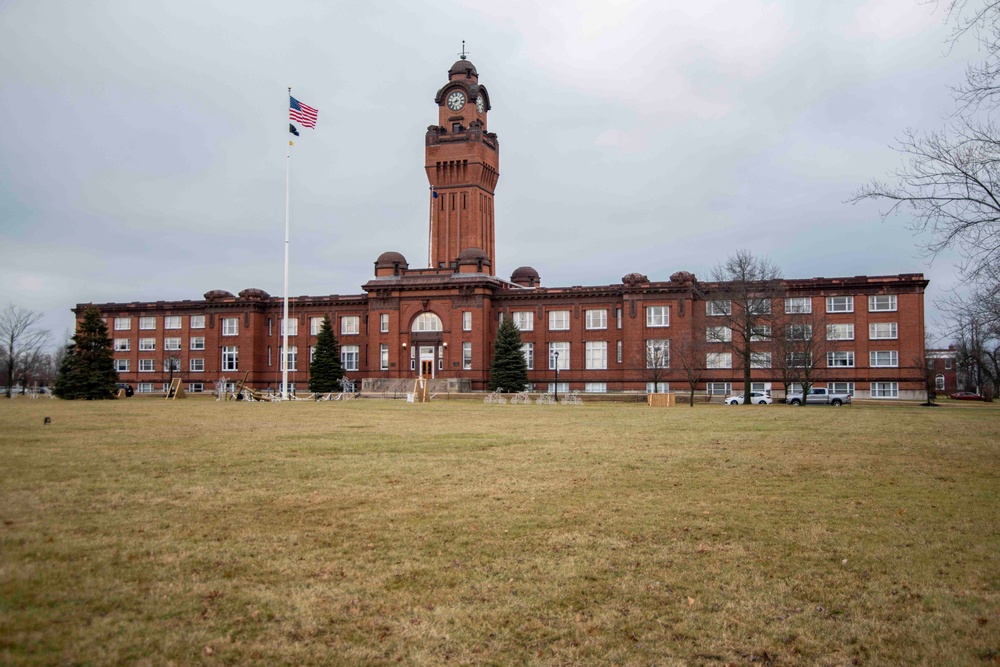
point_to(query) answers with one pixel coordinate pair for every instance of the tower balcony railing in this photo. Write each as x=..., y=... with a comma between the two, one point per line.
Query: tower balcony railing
x=436, y=136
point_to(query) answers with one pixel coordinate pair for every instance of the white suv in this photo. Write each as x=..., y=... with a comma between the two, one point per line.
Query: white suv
x=756, y=398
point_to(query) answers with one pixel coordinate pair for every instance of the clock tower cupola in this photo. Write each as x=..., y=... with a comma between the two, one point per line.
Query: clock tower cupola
x=462, y=160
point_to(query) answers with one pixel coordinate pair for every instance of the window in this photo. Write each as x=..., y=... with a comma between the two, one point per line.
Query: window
x=798, y=332
x=230, y=326
x=171, y=344
x=269, y=363
x=196, y=387
x=657, y=387
x=270, y=327
x=882, y=303
x=146, y=366
x=466, y=356
x=315, y=323
x=657, y=316
x=171, y=364
x=525, y=321
x=559, y=351
x=760, y=333
x=840, y=331
x=196, y=365
x=558, y=320
x=882, y=330
x=760, y=360
x=718, y=334
x=196, y=322
x=883, y=359
x=798, y=305
x=467, y=320
x=939, y=383
x=293, y=327
x=596, y=354
x=561, y=386
x=528, y=350
x=719, y=360
x=840, y=359
x=840, y=304
x=293, y=358
x=619, y=354
x=121, y=365
x=230, y=358
x=716, y=308
x=383, y=357
x=841, y=387
x=123, y=323
x=122, y=345
x=197, y=343
x=147, y=344
x=172, y=322
x=596, y=387
x=658, y=353
x=618, y=317
x=145, y=388
x=947, y=364
x=383, y=322
x=597, y=319
x=798, y=359
x=349, y=355
x=759, y=306
x=427, y=322
x=719, y=388
x=147, y=322
x=885, y=390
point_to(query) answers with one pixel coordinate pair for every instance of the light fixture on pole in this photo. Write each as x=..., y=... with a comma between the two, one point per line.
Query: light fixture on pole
x=556, y=355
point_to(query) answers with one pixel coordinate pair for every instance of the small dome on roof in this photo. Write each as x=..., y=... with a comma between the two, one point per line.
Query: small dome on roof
x=388, y=260
x=472, y=256
x=463, y=67
x=216, y=294
x=254, y=293
x=523, y=273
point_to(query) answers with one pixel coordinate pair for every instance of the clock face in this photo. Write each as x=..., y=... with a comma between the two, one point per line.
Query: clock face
x=456, y=101
x=480, y=104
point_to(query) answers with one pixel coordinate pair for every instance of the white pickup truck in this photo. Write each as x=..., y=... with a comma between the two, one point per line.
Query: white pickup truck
x=818, y=396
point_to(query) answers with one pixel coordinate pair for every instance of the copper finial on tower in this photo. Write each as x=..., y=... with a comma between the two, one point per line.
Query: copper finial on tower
x=463, y=53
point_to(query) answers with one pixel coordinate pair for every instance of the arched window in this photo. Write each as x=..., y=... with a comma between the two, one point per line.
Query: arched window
x=939, y=383
x=427, y=322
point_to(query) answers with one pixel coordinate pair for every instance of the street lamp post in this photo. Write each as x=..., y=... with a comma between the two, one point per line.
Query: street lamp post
x=556, y=355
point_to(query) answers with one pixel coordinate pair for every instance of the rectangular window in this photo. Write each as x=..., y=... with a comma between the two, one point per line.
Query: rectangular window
x=230, y=358
x=885, y=390
x=883, y=359
x=350, y=325
x=293, y=357
x=760, y=360
x=312, y=353
x=145, y=388
x=840, y=359
x=840, y=304
x=658, y=353
x=840, y=331
x=718, y=334
x=596, y=354
x=349, y=357
x=467, y=320
x=121, y=365
x=196, y=322
x=882, y=303
x=760, y=334
x=798, y=359
x=293, y=327
x=123, y=323
x=657, y=387
x=171, y=364
x=146, y=366
x=798, y=332
x=759, y=306
x=314, y=325
x=882, y=331
x=798, y=305
x=596, y=387
x=558, y=320
x=559, y=351
x=528, y=350
x=196, y=365
x=525, y=321
x=657, y=316
x=561, y=386
x=230, y=326
x=841, y=387
x=466, y=356
x=619, y=354
x=383, y=356
x=383, y=322
x=123, y=344
x=947, y=364
x=717, y=308
x=147, y=322
x=197, y=343
x=597, y=319
x=196, y=387
x=172, y=344
x=618, y=317
x=719, y=360
x=172, y=322
x=719, y=388
x=147, y=344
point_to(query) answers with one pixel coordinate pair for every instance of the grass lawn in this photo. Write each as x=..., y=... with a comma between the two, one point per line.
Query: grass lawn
x=151, y=532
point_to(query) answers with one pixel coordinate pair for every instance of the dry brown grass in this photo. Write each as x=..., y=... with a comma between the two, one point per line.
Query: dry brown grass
x=149, y=532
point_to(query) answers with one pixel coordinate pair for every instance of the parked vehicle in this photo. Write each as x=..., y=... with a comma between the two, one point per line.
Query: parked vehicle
x=818, y=396
x=965, y=396
x=127, y=387
x=756, y=398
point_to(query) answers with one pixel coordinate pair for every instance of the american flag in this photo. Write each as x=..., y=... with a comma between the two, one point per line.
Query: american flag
x=302, y=113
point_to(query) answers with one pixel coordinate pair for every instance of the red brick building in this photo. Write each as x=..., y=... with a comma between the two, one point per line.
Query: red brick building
x=440, y=321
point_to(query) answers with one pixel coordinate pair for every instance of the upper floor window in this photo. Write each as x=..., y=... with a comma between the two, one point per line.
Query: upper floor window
x=558, y=320
x=596, y=355
x=172, y=322
x=597, y=319
x=840, y=304
x=147, y=344
x=383, y=322
x=882, y=330
x=198, y=343
x=197, y=322
x=658, y=353
x=559, y=356
x=314, y=325
x=719, y=360
x=715, y=308
x=882, y=302
x=760, y=333
x=171, y=343
x=798, y=305
x=524, y=320
x=123, y=323
x=427, y=322
x=230, y=327
x=657, y=316
x=467, y=320
x=718, y=334
x=840, y=331
x=122, y=345
x=292, y=326
x=147, y=322
x=799, y=332
x=759, y=306
x=350, y=325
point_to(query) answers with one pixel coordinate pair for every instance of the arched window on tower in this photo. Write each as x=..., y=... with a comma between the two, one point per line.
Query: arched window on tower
x=427, y=322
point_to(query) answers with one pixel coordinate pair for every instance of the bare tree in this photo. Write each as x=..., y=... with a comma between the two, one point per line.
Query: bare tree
x=22, y=342
x=739, y=306
x=657, y=361
x=801, y=348
x=689, y=358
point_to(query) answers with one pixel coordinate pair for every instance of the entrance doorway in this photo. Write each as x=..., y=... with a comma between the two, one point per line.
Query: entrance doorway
x=427, y=361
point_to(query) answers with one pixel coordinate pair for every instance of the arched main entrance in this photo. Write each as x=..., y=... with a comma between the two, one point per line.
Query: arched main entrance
x=427, y=346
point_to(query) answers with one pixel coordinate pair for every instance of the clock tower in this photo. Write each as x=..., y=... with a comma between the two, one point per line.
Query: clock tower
x=462, y=160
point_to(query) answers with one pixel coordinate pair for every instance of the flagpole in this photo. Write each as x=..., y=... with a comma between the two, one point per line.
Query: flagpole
x=284, y=321
x=430, y=232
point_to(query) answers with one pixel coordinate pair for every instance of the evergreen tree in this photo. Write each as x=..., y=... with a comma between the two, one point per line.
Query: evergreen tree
x=509, y=370
x=88, y=370
x=325, y=371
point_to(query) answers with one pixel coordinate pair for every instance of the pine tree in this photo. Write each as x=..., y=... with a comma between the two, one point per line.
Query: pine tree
x=88, y=371
x=509, y=370
x=325, y=371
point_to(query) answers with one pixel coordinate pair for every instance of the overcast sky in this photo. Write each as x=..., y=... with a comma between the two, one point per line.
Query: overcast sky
x=142, y=144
